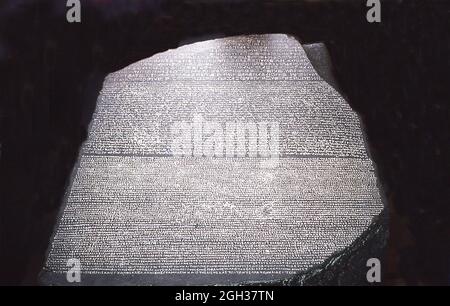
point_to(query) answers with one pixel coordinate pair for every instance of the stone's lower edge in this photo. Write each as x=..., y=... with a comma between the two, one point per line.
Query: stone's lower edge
x=347, y=267
x=48, y=278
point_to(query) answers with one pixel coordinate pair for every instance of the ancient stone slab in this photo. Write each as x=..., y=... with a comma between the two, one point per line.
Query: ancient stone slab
x=137, y=214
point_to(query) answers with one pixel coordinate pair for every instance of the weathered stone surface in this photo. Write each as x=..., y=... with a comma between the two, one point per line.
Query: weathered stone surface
x=136, y=214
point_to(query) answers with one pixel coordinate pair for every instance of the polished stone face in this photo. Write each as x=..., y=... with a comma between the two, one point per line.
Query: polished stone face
x=135, y=213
